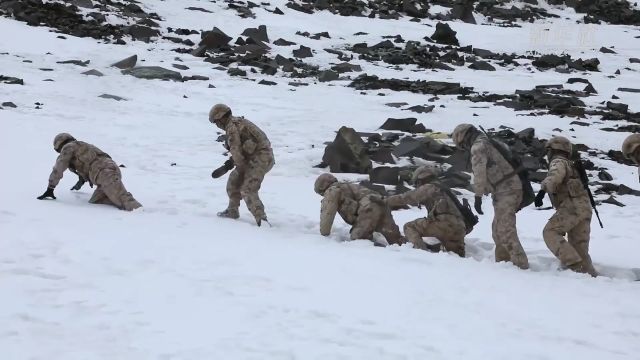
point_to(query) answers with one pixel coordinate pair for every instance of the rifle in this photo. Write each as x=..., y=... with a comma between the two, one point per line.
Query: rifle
x=585, y=182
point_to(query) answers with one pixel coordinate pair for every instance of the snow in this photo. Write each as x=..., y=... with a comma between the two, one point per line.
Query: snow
x=173, y=281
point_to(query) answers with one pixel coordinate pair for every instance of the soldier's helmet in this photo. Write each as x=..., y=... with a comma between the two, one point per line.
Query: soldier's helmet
x=60, y=140
x=460, y=133
x=560, y=143
x=218, y=112
x=424, y=173
x=630, y=145
x=323, y=182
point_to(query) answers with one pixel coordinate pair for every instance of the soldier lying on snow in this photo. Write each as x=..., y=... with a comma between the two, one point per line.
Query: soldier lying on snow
x=93, y=165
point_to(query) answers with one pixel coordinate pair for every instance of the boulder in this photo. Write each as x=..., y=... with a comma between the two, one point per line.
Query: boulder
x=112, y=97
x=153, y=73
x=283, y=42
x=127, y=63
x=404, y=124
x=384, y=175
x=259, y=33
x=142, y=33
x=346, y=67
x=445, y=35
x=302, y=52
x=347, y=153
x=93, y=72
x=328, y=75
x=619, y=107
x=482, y=65
x=214, y=39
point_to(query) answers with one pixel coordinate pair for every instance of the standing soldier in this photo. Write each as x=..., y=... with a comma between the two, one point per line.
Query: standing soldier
x=93, y=165
x=631, y=149
x=443, y=222
x=358, y=206
x=252, y=157
x=492, y=174
x=573, y=209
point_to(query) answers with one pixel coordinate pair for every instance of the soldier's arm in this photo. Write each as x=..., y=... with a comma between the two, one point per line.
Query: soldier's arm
x=479, y=167
x=414, y=197
x=62, y=164
x=555, y=177
x=235, y=144
x=329, y=209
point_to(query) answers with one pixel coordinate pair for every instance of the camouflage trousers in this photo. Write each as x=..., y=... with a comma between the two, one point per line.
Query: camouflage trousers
x=373, y=217
x=244, y=185
x=574, y=221
x=504, y=231
x=449, y=229
x=111, y=191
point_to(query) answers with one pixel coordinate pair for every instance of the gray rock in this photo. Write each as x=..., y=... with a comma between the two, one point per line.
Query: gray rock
x=9, y=104
x=259, y=33
x=604, y=176
x=397, y=104
x=482, y=65
x=283, y=42
x=631, y=90
x=385, y=175
x=619, y=107
x=383, y=156
x=143, y=33
x=153, y=73
x=180, y=66
x=302, y=52
x=236, y=72
x=93, y=72
x=127, y=63
x=195, y=77
x=605, y=50
x=420, y=109
x=347, y=153
x=75, y=62
x=445, y=35
x=346, y=67
x=112, y=97
x=213, y=39
x=403, y=124
x=634, y=60
x=200, y=51
x=267, y=82
x=328, y=75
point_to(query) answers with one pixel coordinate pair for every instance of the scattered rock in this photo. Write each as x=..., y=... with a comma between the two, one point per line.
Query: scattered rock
x=75, y=62
x=195, y=78
x=604, y=175
x=93, y=72
x=634, y=60
x=302, y=52
x=142, y=33
x=631, y=90
x=127, y=63
x=236, y=72
x=372, y=82
x=347, y=153
x=214, y=39
x=397, y=104
x=482, y=65
x=327, y=75
x=153, y=72
x=267, y=82
x=619, y=107
x=346, y=67
x=180, y=66
x=605, y=50
x=445, y=35
x=112, y=97
x=404, y=124
x=11, y=80
x=283, y=42
x=9, y=104
x=385, y=175
x=421, y=109
x=259, y=33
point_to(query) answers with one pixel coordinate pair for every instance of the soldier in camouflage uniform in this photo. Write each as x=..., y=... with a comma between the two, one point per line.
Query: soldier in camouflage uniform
x=443, y=222
x=573, y=209
x=631, y=149
x=358, y=206
x=93, y=165
x=253, y=158
x=492, y=174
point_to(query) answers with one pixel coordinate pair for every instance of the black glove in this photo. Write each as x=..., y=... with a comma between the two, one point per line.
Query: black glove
x=47, y=195
x=79, y=184
x=229, y=164
x=538, y=201
x=477, y=204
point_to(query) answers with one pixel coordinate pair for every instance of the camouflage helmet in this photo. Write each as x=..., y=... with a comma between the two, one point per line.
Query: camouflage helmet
x=560, y=143
x=323, y=182
x=460, y=133
x=218, y=112
x=60, y=140
x=630, y=145
x=425, y=172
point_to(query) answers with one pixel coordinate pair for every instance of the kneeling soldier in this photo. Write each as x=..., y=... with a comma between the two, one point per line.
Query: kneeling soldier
x=358, y=206
x=93, y=165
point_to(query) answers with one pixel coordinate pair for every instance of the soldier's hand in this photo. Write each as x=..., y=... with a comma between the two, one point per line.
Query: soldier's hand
x=47, y=195
x=539, y=197
x=229, y=164
x=219, y=172
x=79, y=184
x=477, y=204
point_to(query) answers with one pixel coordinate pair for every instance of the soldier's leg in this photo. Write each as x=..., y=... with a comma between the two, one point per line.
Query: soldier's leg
x=501, y=253
x=367, y=221
x=413, y=231
x=99, y=197
x=453, y=235
x=110, y=180
x=389, y=229
x=558, y=225
x=505, y=207
x=233, y=191
x=251, y=184
x=579, y=237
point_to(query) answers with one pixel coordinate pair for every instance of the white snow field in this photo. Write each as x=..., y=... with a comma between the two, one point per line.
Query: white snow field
x=85, y=282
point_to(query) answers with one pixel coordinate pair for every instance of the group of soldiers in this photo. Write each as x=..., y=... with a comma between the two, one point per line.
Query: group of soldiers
x=566, y=234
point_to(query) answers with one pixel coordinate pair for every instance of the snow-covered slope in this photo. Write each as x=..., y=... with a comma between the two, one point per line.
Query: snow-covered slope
x=81, y=281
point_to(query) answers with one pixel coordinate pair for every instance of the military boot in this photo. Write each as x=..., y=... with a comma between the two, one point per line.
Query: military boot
x=229, y=213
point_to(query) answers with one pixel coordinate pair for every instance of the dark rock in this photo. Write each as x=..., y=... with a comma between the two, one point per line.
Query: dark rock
x=445, y=35
x=347, y=153
x=112, y=97
x=214, y=39
x=75, y=62
x=404, y=124
x=302, y=52
x=463, y=10
x=380, y=189
x=621, y=108
x=397, y=104
x=625, y=190
x=143, y=33
x=421, y=109
x=193, y=8
x=618, y=72
x=267, y=82
x=259, y=33
x=578, y=80
x=153, y=72
x=327, y=75
x=372, y=82
x=604, y=176
x=383, y=156
x=634, y=60
x=236, y=72
x=550, y=61
x=180, y=66
x=607, y=51
x=589, y=89
x=319, y=35
x=482, y=65
x=127, y=63
x=346, y=67
x=93, y=72
x=195, y=78
x=612, y=200
x=200, y=51
x=579, y=123
x=384, y=175
x=283, y=42
x=11, y=80
x=9, y=104
x=425, y=148
x=277, y=11
x=631, y=90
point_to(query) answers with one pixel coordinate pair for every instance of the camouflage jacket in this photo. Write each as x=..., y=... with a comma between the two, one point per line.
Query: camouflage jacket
x=492, y=173
x=82, y=158
x=246, y=140
x=342, y=198
x=564, y=186
x=429, y=195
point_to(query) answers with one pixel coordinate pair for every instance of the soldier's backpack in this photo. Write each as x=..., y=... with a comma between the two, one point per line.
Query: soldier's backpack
x=470, y=219
x=528, y=196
